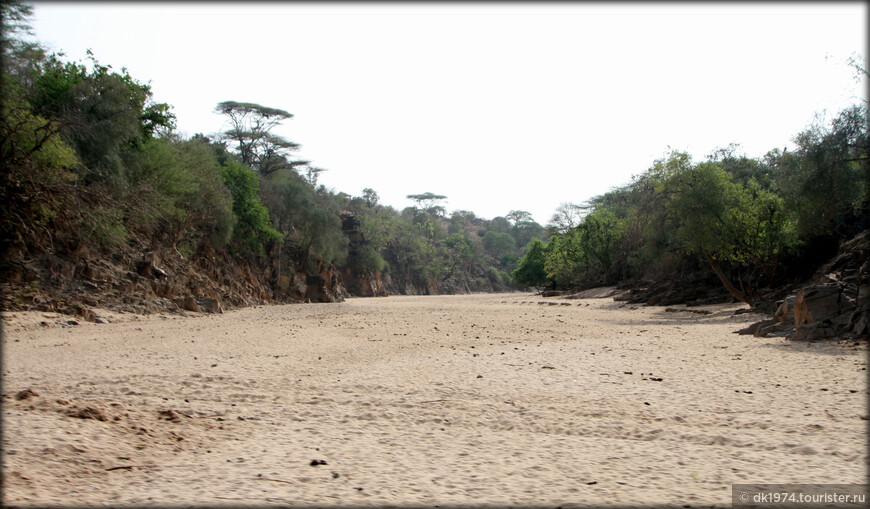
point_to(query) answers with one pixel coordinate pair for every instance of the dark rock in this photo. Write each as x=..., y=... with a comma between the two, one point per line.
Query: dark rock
x=188, y=304
x=143, y=268
x=753, y=328
x=817, y=303
x=87, y=413
x=26, y=394
x=811, y=332
x=780, y=329
x=785, y=310
x=211, y=305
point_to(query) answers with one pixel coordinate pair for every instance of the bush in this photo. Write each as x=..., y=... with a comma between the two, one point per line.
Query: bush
x=252, y=229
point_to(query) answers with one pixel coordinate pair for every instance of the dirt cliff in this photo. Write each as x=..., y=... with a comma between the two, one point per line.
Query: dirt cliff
x=145, y=277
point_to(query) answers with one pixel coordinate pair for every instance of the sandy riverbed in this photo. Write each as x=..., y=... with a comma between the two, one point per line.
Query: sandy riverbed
x=484, y=399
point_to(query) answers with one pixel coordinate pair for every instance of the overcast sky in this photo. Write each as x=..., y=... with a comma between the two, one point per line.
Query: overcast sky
x=497, y=106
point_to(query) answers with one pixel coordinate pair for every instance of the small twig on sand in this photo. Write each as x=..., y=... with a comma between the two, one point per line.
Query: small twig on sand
x=274, y=480
x=128, y=467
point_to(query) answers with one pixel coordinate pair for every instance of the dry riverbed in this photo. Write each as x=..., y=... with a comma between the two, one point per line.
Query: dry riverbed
x=482, y=399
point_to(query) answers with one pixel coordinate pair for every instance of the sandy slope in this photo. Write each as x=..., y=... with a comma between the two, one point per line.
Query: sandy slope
x=451, y=400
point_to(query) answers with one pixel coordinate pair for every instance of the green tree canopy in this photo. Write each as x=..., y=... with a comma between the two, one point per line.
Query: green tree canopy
x=430, y=203
x=250, y=133
x=532, y=270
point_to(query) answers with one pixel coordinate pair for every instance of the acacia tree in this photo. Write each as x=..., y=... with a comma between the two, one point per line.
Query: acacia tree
x=250, y=130
x=429, y=203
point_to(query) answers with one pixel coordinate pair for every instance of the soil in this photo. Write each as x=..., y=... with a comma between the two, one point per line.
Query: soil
x=472, y=399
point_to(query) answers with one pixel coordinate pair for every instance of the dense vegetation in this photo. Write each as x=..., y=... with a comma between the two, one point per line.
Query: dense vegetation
x=757, y=224
x=91, y=160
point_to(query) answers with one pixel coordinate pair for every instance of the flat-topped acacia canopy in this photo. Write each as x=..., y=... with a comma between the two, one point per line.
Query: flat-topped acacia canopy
x=228, y=107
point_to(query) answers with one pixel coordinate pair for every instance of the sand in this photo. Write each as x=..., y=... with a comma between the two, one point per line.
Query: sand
x=480, y=399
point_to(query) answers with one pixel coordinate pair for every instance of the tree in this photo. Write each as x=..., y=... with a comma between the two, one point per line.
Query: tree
x=519, y=216
x=105, y=115
x=370, y=197
x=250, y=131
x=309, y=218
x=500, y=246
x=566, y=217
x=429, y=203
x=21, y=58
x=725, y=222
x=599, y=233
x=312, y=173
x=252, y=229
x=566, y=258
x=460, y=255
x=531, y=270
x=524, y=228
x=827, y=179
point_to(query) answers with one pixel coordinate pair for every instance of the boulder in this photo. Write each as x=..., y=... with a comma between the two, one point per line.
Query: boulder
x=188, y=304
x=774, y=329
x=812, y=332
x=211, y=305
x=785, y=310
x=817, y=303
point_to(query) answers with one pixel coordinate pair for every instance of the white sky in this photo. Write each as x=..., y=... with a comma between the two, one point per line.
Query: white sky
x=498, y=106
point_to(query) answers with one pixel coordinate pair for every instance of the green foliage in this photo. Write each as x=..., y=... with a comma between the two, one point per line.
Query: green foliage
x=180, y=190
x=29, y=140
x=600, y=232
x=252, y=229
x=103, y=226
x=460, y=254
x=104, y=115
x=524, y=229
x=309, y=218
x=827, y=178
x=532, y=267
x=208, y=203
x=500, y=246
x=88, y=152
x=497, y=278
x=429, y=203
x=566, y=260
x=250, y=132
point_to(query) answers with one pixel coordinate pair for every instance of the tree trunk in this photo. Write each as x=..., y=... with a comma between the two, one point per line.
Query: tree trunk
x=737, y=294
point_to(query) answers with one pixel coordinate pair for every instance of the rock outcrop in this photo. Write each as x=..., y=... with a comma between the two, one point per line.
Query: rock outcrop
x=693, y=289
x=149, y=278
x=834, y=303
